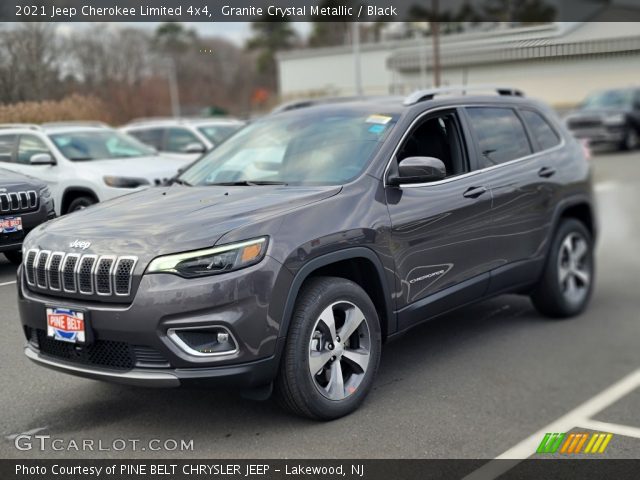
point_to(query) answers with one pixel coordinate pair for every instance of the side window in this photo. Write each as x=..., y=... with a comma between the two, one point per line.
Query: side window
x=7, y=147
x=177, y=139
x=501, y=135
x=437, y=137
x=151, y=137
x=29, y=146
x=544, y=134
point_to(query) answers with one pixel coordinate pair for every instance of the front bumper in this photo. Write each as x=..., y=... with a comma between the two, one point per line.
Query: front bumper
x=238, y=301
x=603, y=134
x=247, y=375
x=30, y=220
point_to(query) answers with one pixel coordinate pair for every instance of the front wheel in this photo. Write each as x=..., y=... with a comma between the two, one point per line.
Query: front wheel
x=631, y=140
x=567, y=282
x=332, y=351
x=80, y=203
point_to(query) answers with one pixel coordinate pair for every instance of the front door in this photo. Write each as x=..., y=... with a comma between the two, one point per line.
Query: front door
x=440, y=230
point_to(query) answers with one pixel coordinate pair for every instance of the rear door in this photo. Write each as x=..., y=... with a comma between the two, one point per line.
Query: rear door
x=520, y=202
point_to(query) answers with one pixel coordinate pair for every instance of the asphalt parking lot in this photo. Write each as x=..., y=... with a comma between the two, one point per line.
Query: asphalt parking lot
x=479, y=383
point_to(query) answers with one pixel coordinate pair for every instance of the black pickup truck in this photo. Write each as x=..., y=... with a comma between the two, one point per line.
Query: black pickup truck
x=25, y=203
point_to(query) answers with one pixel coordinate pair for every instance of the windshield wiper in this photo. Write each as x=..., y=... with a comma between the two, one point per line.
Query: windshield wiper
x=179, y=182
x=81, y=159
x=247, y=183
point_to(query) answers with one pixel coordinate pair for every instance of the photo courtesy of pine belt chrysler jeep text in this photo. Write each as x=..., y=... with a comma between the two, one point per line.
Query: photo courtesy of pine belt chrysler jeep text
x=287, y=256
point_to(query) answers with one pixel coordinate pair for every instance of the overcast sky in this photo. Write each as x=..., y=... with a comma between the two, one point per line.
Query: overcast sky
x=236, y=32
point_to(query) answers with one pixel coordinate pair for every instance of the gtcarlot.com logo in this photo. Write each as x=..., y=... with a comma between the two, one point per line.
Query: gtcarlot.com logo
x=574, y=443
x=45, y=443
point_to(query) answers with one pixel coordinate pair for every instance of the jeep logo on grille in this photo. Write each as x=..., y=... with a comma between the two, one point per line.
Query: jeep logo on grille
x=80, y=244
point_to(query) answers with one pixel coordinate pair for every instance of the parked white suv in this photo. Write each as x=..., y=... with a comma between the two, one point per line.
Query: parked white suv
x=82, y=163
x=183, y=138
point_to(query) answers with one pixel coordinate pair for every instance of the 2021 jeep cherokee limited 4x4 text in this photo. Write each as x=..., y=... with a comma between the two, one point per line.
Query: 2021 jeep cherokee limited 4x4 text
x=291, y=252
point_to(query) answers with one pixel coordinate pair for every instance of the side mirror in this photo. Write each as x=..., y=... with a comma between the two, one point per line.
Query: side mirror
x=418, y=170
x=194, y=147
x=42, y=159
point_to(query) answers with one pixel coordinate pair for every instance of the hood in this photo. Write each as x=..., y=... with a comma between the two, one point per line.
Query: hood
x=150, y=168
x=172, y=219
x=12, y=181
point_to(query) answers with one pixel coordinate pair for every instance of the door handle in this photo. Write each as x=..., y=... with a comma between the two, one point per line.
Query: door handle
x=546, y=172
x=474, y=192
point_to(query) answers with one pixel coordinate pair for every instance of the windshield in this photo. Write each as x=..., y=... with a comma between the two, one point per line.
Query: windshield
x=218, y=133
x=99, y=145
x=608, y=99
x=323, y=148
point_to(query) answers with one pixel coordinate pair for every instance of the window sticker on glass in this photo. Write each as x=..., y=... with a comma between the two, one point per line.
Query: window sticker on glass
x=376, y=128
x=378, y=119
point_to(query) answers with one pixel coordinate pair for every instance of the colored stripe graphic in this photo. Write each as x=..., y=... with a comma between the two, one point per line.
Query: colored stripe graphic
x=550, y=443
x=572, y=443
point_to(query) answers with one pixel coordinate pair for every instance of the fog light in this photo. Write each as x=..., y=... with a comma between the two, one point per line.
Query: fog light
x=223, y=337
x=204, y=341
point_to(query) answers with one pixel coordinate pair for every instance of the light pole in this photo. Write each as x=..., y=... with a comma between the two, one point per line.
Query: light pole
x=435, y=33
x=174, y=94
x=355, y=35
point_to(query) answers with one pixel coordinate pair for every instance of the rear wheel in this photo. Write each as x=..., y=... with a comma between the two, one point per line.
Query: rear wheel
x=332, y=352
x=80, y=203
x=567, y=282
x=14, y=256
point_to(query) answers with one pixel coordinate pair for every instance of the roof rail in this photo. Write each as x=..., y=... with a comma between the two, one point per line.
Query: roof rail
x=423, y=95
x=76, y=123
x=310, y=102
x=30, y=126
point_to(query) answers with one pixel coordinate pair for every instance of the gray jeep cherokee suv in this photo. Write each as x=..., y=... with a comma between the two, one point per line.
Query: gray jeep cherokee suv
x=289, y=254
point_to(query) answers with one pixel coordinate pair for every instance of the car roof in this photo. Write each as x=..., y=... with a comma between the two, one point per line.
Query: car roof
x=419, y=100
x=196, y=121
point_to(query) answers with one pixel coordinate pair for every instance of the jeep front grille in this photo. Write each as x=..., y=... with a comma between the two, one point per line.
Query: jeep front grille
x=14, y=202
x=105, y=275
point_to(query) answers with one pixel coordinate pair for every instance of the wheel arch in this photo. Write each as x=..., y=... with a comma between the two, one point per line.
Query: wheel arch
x=580, y=208
x=358, y=264
x=71, y=193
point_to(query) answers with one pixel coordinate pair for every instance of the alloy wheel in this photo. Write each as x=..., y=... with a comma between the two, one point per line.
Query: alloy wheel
x=574, y=267
x=339, y=350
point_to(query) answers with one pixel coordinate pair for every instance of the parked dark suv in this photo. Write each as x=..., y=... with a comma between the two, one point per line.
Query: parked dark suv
x=25, y=203
x=609, y=117
x=291, y=252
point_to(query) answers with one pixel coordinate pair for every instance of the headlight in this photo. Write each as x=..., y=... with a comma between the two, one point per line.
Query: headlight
x=125, y=182
x=615, y=119
x=222, y=259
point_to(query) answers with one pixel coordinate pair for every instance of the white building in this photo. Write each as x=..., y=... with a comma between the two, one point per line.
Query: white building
x=558, y=62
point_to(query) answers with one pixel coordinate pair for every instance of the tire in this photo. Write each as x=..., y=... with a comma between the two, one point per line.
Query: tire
x=14, y=256
x=567, y=281
x=631, y=140
x=80, y=203
x=310, y=342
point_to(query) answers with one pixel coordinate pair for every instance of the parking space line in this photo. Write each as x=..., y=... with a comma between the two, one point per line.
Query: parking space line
x=617, y=429
x=8, y=283
x=579, y=416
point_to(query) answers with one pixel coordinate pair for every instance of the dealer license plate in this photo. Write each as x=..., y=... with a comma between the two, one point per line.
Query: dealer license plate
x=10, y=224
x=66, y=325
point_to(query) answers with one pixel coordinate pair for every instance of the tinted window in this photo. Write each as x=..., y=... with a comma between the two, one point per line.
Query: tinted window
x=218, y=133
x=7, y=145
x=178, y=139
x=30, y=146
x=437, y=137
x=100, y=144
x=152, y=137
x=540, y=129
x=501, y=135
